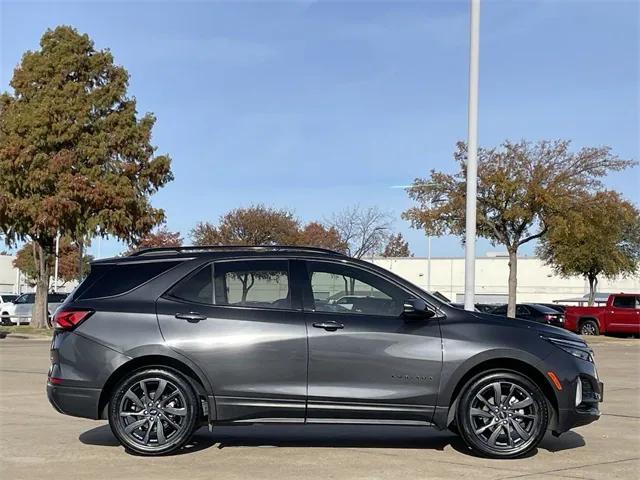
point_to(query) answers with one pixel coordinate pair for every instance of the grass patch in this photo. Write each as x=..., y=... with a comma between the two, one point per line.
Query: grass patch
x=26, y=330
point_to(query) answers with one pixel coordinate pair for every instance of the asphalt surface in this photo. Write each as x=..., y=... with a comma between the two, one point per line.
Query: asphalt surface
x=37, y=443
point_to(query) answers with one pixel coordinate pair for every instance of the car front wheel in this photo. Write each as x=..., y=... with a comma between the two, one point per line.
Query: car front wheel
x=153, y=412
x=502, y=414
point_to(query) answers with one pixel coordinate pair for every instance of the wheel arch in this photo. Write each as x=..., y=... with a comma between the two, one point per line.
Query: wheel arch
x=581, y=320
x=197, y=381
x=501, y=363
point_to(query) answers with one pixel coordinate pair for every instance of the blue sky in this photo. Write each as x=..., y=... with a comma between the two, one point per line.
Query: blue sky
x=312, y=106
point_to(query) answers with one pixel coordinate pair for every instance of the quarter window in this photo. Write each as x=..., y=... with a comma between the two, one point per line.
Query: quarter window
x=197, y=287
x=342, y=289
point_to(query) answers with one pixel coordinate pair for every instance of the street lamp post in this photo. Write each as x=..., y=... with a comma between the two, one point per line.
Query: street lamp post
x=429, y=262
x=472, y=159
x=55, y=276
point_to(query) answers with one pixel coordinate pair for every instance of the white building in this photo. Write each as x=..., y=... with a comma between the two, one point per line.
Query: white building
x=536, y=281
x=8, y=275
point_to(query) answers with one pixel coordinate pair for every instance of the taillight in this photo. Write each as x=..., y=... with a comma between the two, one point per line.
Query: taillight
x=69, y=319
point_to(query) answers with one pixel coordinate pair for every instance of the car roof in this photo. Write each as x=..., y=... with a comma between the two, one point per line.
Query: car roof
x=222, y=251
x=541, y=307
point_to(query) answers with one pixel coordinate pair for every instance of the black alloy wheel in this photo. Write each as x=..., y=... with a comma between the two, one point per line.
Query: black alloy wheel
x=502, y=414
x=153, y=412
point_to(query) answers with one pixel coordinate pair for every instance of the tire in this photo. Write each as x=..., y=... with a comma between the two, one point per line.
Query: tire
x=148, y=426
x=514, y=426
x=589, y=327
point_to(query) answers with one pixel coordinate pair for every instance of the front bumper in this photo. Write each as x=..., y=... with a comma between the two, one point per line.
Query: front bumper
x=581, y=385
x=586, y=412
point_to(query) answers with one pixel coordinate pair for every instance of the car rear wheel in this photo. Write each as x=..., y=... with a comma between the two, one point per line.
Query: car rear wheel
x=589, y=327
x=502, y=414
x=153, y=412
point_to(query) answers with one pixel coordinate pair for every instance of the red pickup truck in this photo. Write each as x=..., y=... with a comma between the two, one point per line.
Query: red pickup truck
x=621, y=314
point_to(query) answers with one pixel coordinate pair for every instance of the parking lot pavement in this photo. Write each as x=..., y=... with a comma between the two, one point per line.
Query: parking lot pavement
x=37, y=443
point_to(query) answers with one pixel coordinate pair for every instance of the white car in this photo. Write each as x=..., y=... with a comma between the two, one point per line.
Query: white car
x=20, y=310
x=6, y=304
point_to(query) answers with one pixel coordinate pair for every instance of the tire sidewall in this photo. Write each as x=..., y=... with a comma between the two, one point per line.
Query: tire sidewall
x=485, y=378
x=191, y=405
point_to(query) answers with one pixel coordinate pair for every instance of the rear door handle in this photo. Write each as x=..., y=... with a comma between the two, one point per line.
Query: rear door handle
x=330, y=326
x=191, y=316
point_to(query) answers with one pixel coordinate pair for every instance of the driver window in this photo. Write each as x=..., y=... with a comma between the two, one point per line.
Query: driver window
x=342, y=289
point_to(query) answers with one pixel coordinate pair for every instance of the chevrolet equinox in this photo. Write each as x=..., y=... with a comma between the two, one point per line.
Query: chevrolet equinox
x=167, y=340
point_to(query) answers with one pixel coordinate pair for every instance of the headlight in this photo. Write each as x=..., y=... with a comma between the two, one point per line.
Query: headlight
x=577, y=349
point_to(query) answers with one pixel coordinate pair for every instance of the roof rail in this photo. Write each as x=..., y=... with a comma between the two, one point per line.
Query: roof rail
x=223, y=248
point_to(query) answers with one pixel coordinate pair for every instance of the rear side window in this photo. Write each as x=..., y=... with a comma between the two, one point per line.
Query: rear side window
x=120, y=278
x=254, y=283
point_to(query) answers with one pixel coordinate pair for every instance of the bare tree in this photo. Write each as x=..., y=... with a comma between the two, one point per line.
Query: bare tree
x=363, y=230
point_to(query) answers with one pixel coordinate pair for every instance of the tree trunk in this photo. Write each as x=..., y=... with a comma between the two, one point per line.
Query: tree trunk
x=593, y=285
x=39, y=314
x=513, y=282
x=80, y=262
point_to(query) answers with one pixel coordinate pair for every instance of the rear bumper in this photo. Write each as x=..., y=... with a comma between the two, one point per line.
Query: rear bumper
x=74, y=401
x=79, y=369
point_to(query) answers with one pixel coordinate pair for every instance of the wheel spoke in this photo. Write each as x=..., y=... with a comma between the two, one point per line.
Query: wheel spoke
x=162, y=384
x=147, y=434
x=175, y=411
x=494, y=436
x=497, y=393
x=160, y=432
x=521, y=404
x=509, y=438
x=484, y=427
x=477, y=412
x=133, y=425
x=143, y=386
x=131, y=414
x=510, y=394
x=522, y=415
x=134, y=398
x=521, y=431
x=169, y=397
x=484, y=400
x=173, y=424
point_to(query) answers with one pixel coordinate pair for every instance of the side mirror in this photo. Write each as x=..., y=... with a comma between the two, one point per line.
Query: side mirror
x=416, y=308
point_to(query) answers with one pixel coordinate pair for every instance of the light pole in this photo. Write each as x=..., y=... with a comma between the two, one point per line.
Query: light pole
x=55, y=276
x=429, y=263
x=472, y=159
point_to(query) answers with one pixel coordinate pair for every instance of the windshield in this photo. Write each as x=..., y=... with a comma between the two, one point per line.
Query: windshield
x=8, y=298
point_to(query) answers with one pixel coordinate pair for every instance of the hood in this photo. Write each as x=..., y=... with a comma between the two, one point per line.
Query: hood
x=539, y=328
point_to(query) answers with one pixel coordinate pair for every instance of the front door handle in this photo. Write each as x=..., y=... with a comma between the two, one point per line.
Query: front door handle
x=330, y=326
x=191, y=316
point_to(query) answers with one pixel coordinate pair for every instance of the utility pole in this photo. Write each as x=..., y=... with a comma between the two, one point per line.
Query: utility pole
x=472, y=159
x=55, y=276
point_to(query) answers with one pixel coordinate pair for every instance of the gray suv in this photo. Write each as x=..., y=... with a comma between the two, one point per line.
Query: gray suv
x=165, y=341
